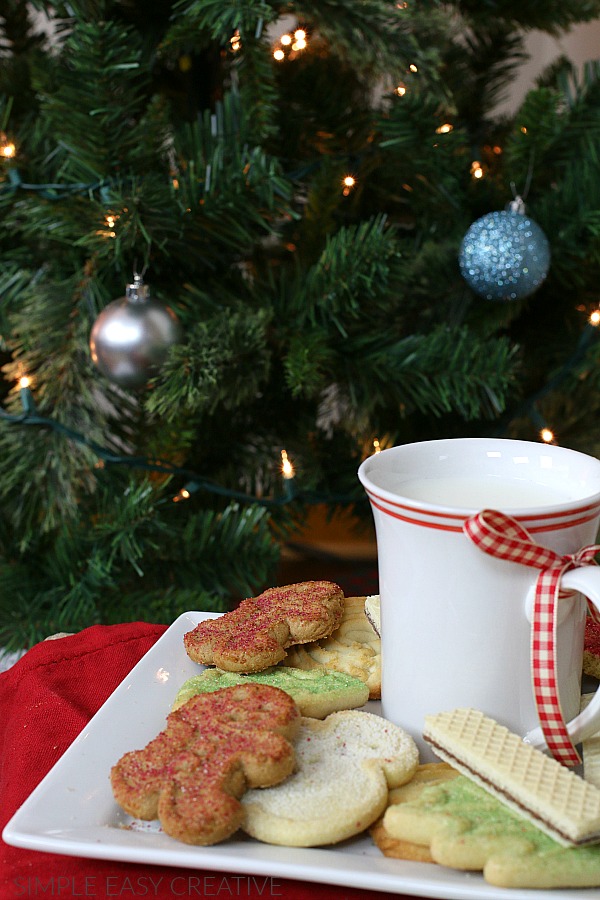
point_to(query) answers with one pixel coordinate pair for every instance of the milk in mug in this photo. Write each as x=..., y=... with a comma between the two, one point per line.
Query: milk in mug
x=473, y=492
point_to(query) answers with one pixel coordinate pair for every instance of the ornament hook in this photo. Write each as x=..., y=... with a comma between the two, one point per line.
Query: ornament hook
x=137, y=291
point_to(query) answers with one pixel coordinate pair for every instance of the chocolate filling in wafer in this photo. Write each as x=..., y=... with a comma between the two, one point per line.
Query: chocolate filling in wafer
x=503, y=794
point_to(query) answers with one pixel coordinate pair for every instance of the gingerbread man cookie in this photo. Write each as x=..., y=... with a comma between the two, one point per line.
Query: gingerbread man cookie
x=256, y=634
x=213, y=749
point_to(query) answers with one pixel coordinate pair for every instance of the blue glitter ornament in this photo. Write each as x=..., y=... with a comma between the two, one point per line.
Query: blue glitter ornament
x=504, y=255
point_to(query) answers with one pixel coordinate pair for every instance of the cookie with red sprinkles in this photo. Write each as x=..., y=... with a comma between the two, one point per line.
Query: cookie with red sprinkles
x=591, y=648
x=213, y=749
x=258, y=632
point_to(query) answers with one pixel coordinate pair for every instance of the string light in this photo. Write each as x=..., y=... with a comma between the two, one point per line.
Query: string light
x=446, y=128
x=287, y=469
x=195, y=481
x=348, y=183
x=413, y=68
x=7, y=147
x=400, y=89
x=299, y=40
x=27, y=401
x=110, y=220
x=294, y=43
x=476, y=169
x=235, y=41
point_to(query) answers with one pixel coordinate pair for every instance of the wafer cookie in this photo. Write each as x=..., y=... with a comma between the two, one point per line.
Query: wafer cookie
x=373, y=612
x=554, y=798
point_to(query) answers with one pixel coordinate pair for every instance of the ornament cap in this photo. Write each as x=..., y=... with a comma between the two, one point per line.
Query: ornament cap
x=137, y=291
x=516, y=206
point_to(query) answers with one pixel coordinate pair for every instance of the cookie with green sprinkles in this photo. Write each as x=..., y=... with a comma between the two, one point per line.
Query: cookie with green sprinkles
x=465, y=827
x=317, y=692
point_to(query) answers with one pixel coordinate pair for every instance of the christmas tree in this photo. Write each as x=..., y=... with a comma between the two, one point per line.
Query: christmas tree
x=284, y=192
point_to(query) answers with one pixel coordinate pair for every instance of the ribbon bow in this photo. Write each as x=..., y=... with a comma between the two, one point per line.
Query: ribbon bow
x=502, y=536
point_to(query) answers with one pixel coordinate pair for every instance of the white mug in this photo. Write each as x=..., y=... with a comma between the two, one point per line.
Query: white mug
x=455, y=621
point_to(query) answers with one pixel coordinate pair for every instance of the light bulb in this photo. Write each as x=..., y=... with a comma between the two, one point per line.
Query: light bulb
x=287, y=469
x=7, y=147
x=348, y=182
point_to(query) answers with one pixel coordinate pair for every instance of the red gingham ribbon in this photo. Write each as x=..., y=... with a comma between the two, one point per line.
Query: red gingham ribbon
x=502, y=536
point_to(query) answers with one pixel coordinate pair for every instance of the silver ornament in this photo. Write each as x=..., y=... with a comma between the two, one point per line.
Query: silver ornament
x=505, y=255
x=132, y=335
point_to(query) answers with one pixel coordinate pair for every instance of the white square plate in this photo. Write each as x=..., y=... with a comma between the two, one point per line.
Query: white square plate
x=72, y=811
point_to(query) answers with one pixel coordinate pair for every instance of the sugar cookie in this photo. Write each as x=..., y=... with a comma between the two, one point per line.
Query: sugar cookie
x=538, y=787
x=346, y=764
x=427, y=775
x=257, y=633
x=213, y=748
x=353, y=648
x=317, y=692
x=463, y=826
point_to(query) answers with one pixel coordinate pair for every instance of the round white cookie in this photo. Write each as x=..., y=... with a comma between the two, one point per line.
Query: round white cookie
x=345, y=767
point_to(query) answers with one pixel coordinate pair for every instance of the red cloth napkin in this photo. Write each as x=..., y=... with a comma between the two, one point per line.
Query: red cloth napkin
x=46, y=699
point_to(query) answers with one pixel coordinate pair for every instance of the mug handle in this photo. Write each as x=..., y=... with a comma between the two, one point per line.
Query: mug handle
x=585, y=580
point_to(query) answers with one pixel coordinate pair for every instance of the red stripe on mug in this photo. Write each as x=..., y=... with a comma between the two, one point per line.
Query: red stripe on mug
x=560, y=518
